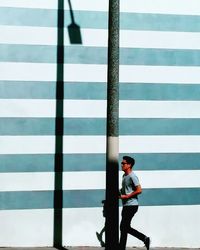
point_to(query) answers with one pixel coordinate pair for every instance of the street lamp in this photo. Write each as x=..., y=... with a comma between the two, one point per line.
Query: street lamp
x=112, y=151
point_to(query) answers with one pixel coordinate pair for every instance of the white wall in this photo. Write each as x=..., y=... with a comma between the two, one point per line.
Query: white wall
x=159, y=119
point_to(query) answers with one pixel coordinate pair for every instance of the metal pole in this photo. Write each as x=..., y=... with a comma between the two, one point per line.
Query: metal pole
x=112, y=151
x=59, y=131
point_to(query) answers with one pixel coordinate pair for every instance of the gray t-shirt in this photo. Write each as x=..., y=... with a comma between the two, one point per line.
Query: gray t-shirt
x=129, y=182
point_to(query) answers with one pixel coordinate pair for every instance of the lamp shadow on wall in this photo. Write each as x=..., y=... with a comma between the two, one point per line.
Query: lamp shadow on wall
x=75, y=38
x=74, y=30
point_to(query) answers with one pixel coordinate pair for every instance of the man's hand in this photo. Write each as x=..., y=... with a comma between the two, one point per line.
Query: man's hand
x=133, y=194
x=123, y=196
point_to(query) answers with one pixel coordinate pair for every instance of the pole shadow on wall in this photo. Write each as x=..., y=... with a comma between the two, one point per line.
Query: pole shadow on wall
x=75, y=37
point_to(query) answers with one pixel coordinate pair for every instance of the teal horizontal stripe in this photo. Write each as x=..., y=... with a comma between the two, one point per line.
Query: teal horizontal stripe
x=48, y=18
x=27, y=126
x=98, y=20
x=159, y=22
x=26, y=200
x=97, y=126
x=85, y=91
x=97, y=91
x=159, y=57
x=36, y=17
x=93, y=198
x=159, y=126
x=27, y=163
x=170, y=196
x=97, y=162
x=151, y=91
x=28, y=53
x=48, y=54
x=98, y=55
x=27, y=90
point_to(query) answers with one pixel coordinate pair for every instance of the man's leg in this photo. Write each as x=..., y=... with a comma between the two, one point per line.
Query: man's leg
x=127, y=215
x=138, y=234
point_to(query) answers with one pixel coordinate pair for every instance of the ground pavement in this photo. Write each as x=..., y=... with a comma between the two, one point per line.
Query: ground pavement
x=90, y=248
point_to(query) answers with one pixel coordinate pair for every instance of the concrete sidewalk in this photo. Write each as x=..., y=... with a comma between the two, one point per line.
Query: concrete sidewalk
x=90, y=248
x=129, y=248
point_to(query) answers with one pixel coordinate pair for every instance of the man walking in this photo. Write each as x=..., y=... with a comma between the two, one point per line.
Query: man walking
x=129, y=195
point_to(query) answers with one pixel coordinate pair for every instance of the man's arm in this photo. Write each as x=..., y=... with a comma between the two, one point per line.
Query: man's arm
x=138, y=190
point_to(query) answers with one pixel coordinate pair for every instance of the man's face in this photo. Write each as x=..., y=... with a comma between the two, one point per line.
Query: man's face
x=125, y=165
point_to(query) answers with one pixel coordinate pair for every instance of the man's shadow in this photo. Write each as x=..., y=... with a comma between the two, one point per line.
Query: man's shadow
x=100, y=235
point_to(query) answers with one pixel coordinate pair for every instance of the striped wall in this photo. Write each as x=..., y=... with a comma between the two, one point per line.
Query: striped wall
x=159, y=119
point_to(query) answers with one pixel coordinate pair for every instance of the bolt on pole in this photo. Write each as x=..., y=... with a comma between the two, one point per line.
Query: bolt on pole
x=112, y=144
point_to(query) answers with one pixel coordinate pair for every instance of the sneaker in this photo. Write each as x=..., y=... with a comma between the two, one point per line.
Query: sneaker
x=147, y=243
